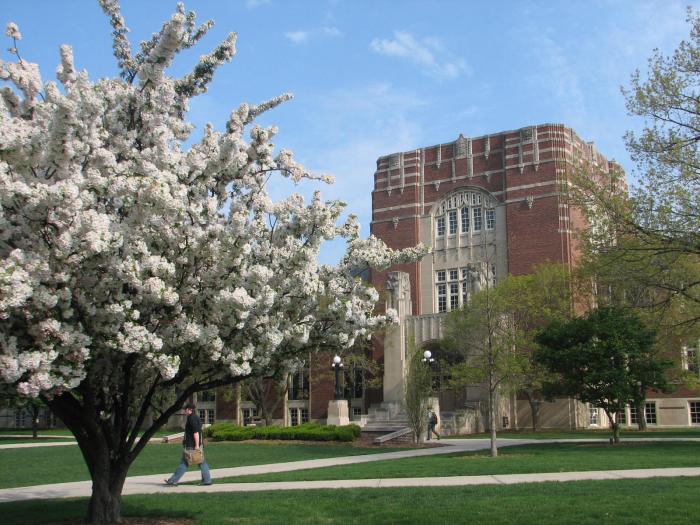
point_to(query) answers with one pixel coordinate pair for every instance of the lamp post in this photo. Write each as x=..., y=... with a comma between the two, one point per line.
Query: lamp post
x=428, y=357
x=337, y=365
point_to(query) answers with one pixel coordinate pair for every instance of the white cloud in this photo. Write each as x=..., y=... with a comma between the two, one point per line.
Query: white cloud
x=297, y=37
x=301, y=36
x=428, y=53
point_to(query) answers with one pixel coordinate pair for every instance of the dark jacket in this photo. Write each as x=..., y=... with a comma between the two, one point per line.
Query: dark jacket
x=192, y=426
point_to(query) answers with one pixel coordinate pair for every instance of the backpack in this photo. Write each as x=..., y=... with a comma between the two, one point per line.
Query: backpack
x=434, y=419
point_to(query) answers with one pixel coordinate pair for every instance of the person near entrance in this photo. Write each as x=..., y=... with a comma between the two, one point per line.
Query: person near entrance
x=432, y=423
x=193, y=441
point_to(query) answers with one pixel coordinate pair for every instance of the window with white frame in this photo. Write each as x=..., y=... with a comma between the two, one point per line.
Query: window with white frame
x=490, y=218
x=622, y=417
x=298, y=416
x=248, y=415
x=442, y=297
x=650, y=413
x=453, y=287
x=476, y=215
x=211, y=416
x=464, y=212
x=454, y=296
x=592, y=415
x=465, y=219
x=694, y=407
x=440, y=226
x=452, y=217
x=634, y=415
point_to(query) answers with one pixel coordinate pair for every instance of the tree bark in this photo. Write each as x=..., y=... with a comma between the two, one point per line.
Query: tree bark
x=641, y=415
x=492, y=421
x=535, y=405
x=106, y=502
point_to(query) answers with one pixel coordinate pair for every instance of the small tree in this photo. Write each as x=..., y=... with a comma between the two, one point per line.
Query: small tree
x=418, y=386
x=602, y=359
x=484, y=336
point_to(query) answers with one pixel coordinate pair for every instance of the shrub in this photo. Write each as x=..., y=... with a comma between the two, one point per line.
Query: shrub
x=305, y=432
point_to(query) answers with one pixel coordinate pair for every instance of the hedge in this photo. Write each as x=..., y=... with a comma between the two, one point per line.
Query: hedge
x=305, y=432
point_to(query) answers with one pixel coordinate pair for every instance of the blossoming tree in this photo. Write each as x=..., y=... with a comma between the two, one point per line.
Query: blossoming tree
x=135, y=269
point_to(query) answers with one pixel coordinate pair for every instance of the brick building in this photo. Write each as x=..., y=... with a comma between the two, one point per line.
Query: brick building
x=488, y=206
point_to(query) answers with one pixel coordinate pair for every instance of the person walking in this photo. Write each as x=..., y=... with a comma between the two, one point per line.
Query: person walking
x=193, y=441
x=432, y=423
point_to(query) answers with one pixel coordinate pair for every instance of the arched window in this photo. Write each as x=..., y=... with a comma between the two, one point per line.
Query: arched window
x=465, y=213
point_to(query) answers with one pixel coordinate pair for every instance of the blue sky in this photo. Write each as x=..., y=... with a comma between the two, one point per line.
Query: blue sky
x=376, y=77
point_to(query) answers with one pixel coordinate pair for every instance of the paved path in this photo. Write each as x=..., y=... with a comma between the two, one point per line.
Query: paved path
x=153, y=484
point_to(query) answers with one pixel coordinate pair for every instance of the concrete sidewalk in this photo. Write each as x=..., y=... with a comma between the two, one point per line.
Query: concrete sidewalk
x=153, y=484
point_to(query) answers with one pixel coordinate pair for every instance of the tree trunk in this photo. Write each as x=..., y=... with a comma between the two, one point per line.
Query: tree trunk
x=492, y=422
x=535, y=405
x=616, y=432
x=641, y=415
x=35, y=422
x=106, y=501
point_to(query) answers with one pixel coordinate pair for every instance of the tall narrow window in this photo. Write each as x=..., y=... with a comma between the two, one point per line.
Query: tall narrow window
x=452, y=215
x=650, y=413
x=490, y=219
x=442, y=297
x=454, y=296
x=440, y=226
x=465, y=219
x=476, y=214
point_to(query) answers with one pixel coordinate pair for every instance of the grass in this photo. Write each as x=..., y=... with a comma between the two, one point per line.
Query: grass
x=671, y=501
x=552, y=457
x=35, y=466
x=603, y=433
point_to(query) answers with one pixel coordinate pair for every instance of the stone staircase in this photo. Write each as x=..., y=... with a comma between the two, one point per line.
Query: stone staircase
x=386, y=418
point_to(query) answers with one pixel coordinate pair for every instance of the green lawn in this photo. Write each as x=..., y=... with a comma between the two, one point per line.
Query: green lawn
x=671, y=501
x=587, y=434
x=552, y=457
x=37, y=466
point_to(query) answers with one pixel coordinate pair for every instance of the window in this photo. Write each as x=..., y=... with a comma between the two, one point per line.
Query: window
x=211, y=417
x=441, y=276
x=442, y=297
x=440, y=223
x=592, y=415
x=299, y=386
x=621, y=417
x=452, y=216
x=202, y=415
x=465, y=292
x=20, y=420
x=690, y=359
x=298, y=416
x=476, y=198
x=454, y=274
x=493, y=274
x=650, y=413
x=356, y=412
x=476, y=214
x=465, y=219
x=634, y=416
x=490, y=219
x=249, y=414
x=454, y=296
x=694, y=412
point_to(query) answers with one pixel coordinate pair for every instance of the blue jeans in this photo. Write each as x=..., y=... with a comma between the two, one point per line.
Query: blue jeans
x=182, y=468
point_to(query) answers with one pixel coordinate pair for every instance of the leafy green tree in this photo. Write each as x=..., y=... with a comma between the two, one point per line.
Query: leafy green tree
x=653, y=233
x=531, y=302
x=417, y=386
x=483, y=335
x=605, y=358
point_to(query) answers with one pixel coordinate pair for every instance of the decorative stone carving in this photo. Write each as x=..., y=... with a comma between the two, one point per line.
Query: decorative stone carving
x=437, y=185
x=395, y=222
x=487, y=147
x=460, y=147
x=395, y=161
x=530, y=201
